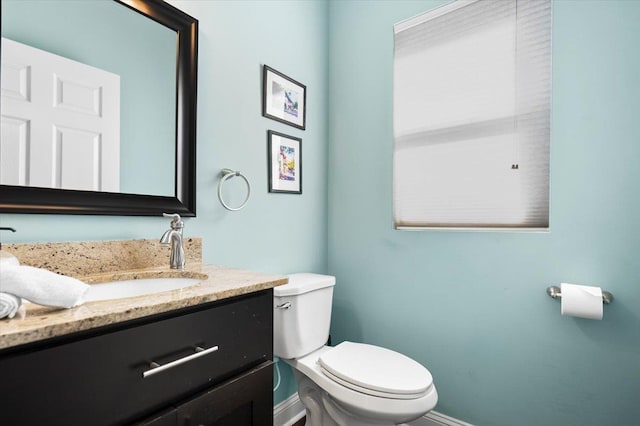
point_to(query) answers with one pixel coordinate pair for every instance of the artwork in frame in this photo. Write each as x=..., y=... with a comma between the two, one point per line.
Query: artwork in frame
x=285, y=163
x=283, y=98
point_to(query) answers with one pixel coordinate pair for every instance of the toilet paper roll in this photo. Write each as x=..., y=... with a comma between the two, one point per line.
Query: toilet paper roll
x=581, y=301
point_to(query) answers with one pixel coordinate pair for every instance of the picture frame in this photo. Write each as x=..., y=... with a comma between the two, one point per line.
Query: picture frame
x=284, y=163
x=283, y=98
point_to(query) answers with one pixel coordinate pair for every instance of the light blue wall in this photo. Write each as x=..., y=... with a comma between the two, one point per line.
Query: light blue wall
x=472, y=305
x=276, y=233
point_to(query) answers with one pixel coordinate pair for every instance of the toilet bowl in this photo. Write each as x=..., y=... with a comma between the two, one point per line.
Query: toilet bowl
x=351, y=384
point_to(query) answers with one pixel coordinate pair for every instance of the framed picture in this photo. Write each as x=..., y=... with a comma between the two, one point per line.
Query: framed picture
x=285, y=163
x=283, y=98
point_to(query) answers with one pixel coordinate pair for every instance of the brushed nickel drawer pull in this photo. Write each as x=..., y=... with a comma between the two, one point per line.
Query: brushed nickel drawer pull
x=157, y=368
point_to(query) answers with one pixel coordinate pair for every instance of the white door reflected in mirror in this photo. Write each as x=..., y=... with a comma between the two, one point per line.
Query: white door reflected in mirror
x=60, y=122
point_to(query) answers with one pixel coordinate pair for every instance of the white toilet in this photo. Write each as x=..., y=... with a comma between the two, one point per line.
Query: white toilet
x=351, y=384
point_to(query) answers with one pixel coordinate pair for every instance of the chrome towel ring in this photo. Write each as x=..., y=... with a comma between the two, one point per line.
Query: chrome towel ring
x=226, y=175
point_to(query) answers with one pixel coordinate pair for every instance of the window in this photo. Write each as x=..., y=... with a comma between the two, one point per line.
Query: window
x=472, y=92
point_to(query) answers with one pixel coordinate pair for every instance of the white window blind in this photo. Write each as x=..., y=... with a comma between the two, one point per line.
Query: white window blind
x=472, y=92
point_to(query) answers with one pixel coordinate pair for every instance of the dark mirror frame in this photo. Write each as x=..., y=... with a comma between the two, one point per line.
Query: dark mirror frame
x=21, y=199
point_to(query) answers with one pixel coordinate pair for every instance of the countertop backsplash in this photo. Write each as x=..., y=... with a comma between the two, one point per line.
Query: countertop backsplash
x=79, y=259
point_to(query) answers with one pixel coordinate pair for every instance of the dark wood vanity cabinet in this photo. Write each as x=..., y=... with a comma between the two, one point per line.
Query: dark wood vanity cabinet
x=96, y=378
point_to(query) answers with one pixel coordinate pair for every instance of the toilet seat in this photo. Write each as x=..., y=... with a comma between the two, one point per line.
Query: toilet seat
x=376, y=371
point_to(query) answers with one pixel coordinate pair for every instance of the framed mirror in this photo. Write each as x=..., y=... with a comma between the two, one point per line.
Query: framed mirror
x=153, y=52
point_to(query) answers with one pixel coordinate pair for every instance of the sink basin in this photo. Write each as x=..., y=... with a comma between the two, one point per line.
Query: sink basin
x=132, y=288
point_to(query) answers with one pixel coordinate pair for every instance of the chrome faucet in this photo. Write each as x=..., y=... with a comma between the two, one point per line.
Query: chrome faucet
x=173, y=236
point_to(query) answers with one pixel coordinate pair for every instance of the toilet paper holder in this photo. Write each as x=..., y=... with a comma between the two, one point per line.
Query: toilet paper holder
x=556, y=293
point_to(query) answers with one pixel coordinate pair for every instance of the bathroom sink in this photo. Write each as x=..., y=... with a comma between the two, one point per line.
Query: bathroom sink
x=132, y=288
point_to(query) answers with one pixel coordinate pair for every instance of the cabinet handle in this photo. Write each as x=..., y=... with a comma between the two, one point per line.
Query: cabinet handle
x=157, y=368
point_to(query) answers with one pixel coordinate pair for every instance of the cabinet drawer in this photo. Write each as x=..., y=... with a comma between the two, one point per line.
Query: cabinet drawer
x=99, y=380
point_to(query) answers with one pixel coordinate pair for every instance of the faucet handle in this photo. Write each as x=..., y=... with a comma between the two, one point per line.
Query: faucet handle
x=176, y=222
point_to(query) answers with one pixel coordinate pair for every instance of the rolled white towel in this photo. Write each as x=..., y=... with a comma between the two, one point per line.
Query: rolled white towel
x=9, y=305
x=41, y=286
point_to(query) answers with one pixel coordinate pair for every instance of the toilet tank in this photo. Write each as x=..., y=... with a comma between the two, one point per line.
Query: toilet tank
x=302, y=314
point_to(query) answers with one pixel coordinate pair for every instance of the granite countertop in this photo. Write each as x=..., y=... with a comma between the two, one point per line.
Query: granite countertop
x=35, y=322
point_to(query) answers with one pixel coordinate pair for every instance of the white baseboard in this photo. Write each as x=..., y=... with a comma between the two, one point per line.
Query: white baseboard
x=291, y=410
x=288, y=411
x=433, y=418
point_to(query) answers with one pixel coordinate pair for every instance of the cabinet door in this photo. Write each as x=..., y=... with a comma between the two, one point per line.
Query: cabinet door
x=245, y=400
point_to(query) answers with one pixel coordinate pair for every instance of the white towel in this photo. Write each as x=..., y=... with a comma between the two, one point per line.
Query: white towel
x=41, y=286
x=9, y=305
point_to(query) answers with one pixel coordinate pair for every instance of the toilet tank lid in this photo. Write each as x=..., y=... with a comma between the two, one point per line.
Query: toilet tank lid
x=304, y=283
